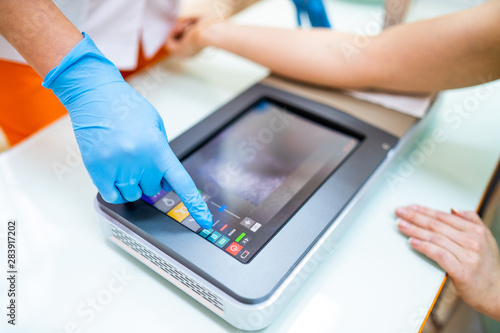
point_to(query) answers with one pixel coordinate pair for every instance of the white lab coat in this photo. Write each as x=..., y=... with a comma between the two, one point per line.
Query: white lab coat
x=116, y=26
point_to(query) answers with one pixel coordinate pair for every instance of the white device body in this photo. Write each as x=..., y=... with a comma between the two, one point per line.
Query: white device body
x=241, y=315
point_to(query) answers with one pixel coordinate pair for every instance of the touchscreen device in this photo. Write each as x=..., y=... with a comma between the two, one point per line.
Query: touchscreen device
x=255, y=173
x=489, y=208
x=280, y=175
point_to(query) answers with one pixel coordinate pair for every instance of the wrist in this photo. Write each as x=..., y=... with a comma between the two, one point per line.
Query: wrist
x=208, y=31
x=80, y=68
x=495, y=303
x=491, y=306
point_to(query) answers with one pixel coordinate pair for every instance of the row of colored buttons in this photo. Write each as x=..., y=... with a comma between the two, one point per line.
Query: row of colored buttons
x=218, y=239
x=214, y=237
x=171, y=205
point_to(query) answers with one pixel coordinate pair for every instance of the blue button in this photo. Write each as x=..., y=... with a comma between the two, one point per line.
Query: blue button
x=154, y=198
x=214, y=236
x=222, y=241
x=205, y=232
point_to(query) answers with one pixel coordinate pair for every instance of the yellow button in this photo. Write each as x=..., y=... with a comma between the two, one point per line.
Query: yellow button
x=179, y=212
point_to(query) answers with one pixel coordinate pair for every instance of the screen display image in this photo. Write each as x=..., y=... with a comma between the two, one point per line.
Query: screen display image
x=255, y=174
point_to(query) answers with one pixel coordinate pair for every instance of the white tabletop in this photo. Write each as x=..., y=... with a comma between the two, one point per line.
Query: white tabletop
x=71, y=280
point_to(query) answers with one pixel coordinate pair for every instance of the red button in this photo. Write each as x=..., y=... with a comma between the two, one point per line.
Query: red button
x=234, y=248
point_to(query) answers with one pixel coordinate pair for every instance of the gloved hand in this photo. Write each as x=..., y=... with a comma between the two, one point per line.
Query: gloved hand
x=315, y=11
x=121, y=136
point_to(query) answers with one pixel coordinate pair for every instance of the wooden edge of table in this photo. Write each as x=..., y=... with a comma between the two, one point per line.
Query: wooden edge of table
x=433, y=303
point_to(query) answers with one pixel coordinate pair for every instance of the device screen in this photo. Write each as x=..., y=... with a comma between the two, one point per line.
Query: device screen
x=256, y=173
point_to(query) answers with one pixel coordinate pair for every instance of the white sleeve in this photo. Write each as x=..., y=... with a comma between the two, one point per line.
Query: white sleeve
x=159, y=18
x=116, y=27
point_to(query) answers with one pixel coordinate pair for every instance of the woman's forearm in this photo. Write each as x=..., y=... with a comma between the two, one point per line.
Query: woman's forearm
x=39, y=32
x=453, y=51
x=308, y=55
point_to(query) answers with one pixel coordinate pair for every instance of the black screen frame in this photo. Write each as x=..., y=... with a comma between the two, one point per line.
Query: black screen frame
x=294, y=204
x=256, y=281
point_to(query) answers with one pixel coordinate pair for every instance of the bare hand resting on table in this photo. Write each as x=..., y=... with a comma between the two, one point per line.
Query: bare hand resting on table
x=463, y=246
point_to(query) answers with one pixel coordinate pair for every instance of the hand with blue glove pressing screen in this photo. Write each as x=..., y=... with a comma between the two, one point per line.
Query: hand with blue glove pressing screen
x=121, y=136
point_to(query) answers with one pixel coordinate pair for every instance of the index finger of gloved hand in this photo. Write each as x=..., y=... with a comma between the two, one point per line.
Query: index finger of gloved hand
x=183, y=185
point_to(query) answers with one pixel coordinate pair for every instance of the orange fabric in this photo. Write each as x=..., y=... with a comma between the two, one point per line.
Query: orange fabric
x=143, y=62
x=26, y=106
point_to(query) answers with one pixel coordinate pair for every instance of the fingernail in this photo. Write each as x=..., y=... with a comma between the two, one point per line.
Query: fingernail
x=414, y=207
x=402, y=223
x=457, y=211
x=401, y=210
x=415, y=241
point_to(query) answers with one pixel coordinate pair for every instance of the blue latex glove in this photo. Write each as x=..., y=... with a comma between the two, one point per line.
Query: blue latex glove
x=121, y=136
x=315, y=10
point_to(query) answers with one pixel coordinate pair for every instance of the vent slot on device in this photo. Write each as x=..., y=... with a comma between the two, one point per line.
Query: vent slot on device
x=167, y=270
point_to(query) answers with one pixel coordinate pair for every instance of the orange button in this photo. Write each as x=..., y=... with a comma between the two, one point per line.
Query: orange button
x=179, y=212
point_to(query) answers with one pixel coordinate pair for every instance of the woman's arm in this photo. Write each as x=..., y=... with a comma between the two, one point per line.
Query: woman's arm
x=452, y=51
x=39, y=32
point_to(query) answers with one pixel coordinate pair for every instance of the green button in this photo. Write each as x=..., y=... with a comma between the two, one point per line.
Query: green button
x=240, y=237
